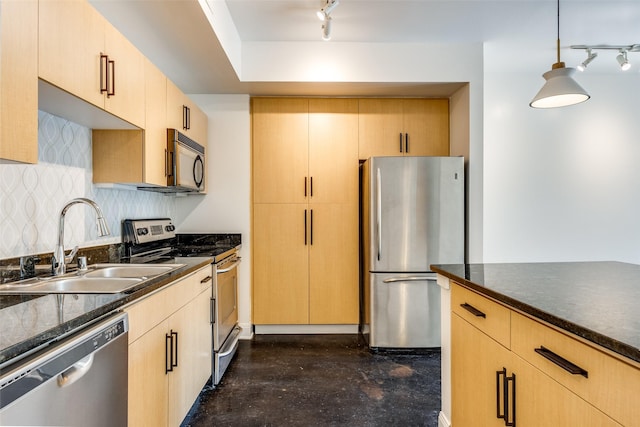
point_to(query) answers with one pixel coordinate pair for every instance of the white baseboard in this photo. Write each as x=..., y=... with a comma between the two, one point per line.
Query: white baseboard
x=306, y=329
x=247, y=331
x=443, y=421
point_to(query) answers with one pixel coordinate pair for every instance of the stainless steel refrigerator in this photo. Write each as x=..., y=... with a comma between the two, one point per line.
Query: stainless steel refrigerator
x=412, y=217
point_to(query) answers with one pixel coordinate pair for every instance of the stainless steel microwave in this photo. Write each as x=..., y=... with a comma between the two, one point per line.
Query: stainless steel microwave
x=186, y=163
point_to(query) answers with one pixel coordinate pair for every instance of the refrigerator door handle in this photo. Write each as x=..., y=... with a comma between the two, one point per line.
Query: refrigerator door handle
x=379, y=211
x=409, y=279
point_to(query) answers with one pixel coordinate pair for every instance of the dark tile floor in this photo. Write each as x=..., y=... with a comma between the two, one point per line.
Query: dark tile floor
x=321, y=380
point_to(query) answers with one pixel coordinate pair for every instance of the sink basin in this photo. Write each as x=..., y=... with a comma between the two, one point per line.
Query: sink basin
x=83, y=285
x=100, y=279
x=130, y=270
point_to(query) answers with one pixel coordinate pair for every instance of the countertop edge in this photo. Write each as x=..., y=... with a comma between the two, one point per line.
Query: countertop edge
x=601, y=340
x=16, y=352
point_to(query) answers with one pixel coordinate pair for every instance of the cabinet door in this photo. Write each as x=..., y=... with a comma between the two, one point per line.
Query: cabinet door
x=380, y=127
x=426, y=124
x=19, y=81
x=333, y=150
x=195, y=125
x=280, y=264
x=155, y=132
x=175, y=107
x=541, y=401
x=333, y=264
x=117, y=156
x=198, y=123
x=71, y=38
x=475, y=361
x=148, y=384
x=128, y=80
x=280, y=129
x=194, y=355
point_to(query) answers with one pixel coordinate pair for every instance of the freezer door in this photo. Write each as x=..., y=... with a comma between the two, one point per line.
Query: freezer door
x=405, y=311
x=416, y=212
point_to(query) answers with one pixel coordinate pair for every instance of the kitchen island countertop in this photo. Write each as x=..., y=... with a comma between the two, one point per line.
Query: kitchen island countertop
x=598, y=301
x=32, y=322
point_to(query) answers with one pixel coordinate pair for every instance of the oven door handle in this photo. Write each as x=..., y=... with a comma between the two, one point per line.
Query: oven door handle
x=231, y=267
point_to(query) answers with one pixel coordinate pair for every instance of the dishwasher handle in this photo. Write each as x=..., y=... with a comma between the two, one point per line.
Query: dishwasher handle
x=410, y=279
x=75, y=372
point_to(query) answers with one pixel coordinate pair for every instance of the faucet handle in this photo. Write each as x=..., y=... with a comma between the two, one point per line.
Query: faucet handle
x=69, y=258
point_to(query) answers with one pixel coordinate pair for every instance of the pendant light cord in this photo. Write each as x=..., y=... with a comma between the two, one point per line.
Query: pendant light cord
x=558, y=39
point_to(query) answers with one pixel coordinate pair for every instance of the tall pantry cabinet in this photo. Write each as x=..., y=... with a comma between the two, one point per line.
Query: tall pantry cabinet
x=305, y=211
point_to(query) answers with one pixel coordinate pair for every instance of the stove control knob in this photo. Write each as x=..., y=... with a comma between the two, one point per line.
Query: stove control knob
x=142, y=231
x=170, y=227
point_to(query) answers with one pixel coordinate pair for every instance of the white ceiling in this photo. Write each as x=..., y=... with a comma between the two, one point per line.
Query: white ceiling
x=177, y=37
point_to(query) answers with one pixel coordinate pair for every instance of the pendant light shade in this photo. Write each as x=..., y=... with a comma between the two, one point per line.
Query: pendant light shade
x=560, y=89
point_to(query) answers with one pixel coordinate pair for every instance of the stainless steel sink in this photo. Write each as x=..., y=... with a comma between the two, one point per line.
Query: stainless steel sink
x=130, y=270
x=100, y=279
x=81, y=285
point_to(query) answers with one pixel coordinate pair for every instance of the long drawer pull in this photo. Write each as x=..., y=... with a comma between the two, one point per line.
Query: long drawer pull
x=471, y=309
x=500, y=388
x=561, y=362
x=206, y=279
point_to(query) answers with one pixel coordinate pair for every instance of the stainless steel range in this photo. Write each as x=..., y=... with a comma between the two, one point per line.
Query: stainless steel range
x=155, y=240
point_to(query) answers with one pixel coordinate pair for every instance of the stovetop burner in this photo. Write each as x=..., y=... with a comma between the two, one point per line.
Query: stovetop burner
x=155, y=240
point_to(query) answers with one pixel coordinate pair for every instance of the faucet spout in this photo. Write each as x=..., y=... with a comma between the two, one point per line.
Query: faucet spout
x=59, y=259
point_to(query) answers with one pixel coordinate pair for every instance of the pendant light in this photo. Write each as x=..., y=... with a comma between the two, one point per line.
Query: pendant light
x=560, y=90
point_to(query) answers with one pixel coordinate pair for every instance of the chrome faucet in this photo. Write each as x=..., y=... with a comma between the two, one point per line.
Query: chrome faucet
x=59, y=259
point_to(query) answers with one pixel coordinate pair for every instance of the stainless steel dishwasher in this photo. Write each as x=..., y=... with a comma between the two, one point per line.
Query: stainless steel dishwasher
x=80, y=381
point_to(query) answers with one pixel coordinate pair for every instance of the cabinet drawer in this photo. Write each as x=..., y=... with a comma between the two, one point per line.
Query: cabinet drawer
x=187, y=289
x=605, y=382
x=150, y=311
x=491, y=318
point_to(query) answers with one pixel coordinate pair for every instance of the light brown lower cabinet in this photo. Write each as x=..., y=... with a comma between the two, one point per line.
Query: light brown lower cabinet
x=169, y=351
x=494, y=385
x=304, y=263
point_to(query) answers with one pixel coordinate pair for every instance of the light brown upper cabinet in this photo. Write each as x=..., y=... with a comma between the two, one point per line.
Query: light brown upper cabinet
x=19, y=81
x=184, y=115
x=305, y=211
x=403, y=127
x=83, y=54
x=136, y=156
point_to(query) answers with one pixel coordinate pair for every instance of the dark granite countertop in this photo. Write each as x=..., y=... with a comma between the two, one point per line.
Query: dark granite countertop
x=598, y=301
x=32, y=322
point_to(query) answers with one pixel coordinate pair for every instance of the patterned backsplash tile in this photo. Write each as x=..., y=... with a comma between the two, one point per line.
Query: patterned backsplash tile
x=32, y=196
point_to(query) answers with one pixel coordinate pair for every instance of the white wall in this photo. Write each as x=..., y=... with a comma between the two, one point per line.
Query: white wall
x=561, y=184
x=226, y=207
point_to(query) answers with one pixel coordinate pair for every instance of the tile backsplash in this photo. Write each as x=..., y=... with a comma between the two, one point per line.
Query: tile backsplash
x=32, y=196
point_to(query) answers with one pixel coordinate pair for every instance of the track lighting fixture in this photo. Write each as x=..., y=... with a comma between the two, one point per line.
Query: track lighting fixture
x=323, y=13
x=560, y=89
x=326, y=29
x=621, y=58
x=325, y=17
x=590, y=57
x=623, y=61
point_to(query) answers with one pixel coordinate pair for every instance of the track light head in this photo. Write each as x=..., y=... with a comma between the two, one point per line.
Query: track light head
x=590, y=57
x=323, y=14
x=623, y=61
x=326, y=29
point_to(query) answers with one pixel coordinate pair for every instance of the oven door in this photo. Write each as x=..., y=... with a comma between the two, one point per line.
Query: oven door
x=225, y=300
